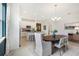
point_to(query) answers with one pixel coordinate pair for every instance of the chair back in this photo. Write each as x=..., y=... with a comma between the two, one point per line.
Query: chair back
x=38, y=41
x=42, y=47
x=61, y=42
x=65, y=40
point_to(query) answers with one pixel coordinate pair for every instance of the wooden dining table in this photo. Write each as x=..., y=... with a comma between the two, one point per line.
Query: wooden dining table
x=53, y=40
x=51, y=37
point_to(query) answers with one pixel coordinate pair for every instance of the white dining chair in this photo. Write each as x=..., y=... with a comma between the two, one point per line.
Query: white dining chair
x=60, y=44
x=30, y=36
x=66, y=43
x=42, y=48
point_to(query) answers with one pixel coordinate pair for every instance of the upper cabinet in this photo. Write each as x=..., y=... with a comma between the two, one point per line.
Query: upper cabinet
x=72, y=26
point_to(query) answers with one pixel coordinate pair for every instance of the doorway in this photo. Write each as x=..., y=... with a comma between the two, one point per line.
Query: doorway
x=23, y=36
x=26, y=32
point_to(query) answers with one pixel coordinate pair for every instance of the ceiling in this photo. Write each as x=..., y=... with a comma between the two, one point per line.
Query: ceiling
x=43, y=11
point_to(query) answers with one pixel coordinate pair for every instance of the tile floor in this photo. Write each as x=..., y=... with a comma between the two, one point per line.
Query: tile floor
x=27, y=49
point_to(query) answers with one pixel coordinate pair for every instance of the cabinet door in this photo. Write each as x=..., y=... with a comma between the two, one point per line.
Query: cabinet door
x=2, y=49
x=70, y=37
x=76, y=37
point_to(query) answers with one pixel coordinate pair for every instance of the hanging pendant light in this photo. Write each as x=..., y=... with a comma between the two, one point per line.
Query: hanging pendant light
x=56, y=18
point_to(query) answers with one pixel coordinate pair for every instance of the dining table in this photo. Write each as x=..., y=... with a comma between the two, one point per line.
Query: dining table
x=53, y=40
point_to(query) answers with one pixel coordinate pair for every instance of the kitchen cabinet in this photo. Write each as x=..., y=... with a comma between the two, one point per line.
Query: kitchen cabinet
x=73, y=37
x=2, y=46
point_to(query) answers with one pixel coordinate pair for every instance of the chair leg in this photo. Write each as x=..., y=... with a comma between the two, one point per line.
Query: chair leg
x=66, y=48
x=60, y=52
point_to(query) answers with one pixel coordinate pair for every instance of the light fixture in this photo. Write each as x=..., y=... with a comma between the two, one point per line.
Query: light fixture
x=56, y=18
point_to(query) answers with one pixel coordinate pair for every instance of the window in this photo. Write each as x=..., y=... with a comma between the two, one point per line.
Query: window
x=3, y=28
x=0, y=20
x=4, y=7
x=0, y=28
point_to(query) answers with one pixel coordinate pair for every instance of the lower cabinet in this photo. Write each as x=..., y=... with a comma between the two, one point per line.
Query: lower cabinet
x=2, y=48
x=74, y=37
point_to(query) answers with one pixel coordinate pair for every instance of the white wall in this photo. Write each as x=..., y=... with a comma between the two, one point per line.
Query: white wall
x=7, y=29
x=48, y=24
x=26, y=22
x=13, y=31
